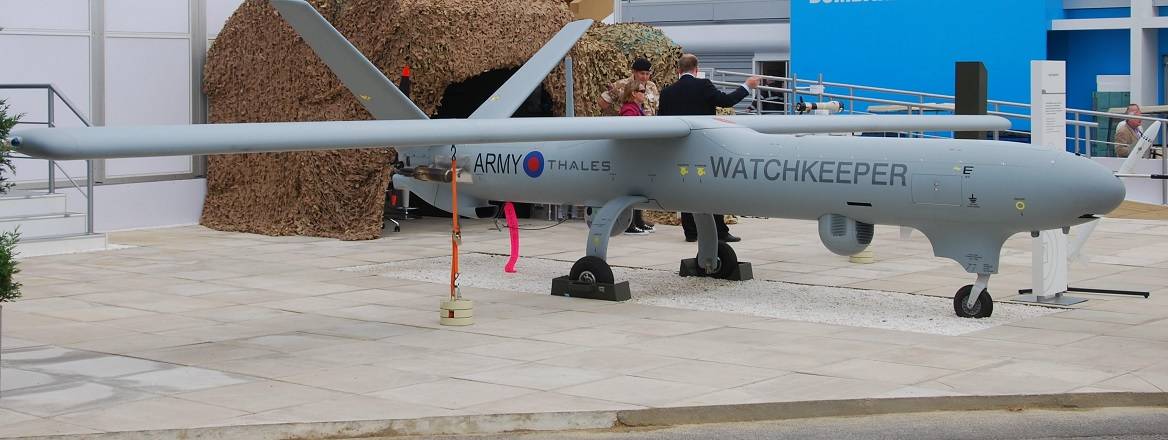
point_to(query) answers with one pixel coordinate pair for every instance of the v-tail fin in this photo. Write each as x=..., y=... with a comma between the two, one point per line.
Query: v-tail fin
x=375, y=92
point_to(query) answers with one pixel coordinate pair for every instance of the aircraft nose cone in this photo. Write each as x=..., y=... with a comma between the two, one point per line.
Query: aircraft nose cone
x=1102, y=192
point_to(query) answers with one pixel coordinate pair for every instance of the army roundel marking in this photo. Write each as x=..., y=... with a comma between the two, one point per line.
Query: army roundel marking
x=533, y=164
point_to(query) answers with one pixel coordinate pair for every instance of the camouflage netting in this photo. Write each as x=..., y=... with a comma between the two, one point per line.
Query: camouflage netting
x=662, y=218
x=605, y=54
x=258, y=70
x=674, y=218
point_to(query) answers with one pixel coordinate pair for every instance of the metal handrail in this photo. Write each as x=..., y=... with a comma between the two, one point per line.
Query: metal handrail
x=68, y=177
x=916, y=105
x=1115, y=115
x=1008, y=103
x=796, y=81
x=68, y=103
x=53, y=94
x=834, y=95
x=830, y=84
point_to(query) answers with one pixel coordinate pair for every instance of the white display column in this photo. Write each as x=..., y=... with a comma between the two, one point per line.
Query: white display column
x=1048, y=129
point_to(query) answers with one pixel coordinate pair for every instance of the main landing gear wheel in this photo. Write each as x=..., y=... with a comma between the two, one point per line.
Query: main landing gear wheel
x=591, y=270
x=983, y=308
x=727, y=261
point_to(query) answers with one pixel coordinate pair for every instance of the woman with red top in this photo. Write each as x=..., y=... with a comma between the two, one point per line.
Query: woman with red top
x=634, y=98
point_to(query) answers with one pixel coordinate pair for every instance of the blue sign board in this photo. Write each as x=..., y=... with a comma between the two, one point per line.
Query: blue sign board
x=914, y=44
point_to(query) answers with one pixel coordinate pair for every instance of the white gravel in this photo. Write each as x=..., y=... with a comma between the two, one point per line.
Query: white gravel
x=828, y=305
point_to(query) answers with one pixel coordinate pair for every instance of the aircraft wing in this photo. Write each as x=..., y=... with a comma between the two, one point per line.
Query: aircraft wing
x=377, y=93
x=171, y=140
x=807, y=124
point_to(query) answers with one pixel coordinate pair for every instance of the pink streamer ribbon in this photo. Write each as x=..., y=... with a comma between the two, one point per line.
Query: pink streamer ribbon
x=513, y=225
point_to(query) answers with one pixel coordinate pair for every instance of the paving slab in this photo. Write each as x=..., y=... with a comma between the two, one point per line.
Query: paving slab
x=362, y=379
x=537, y=376
x=523, y=350
x=802, y=386
x=274, y=366
x=201, y=328
x=260, y=396
x=637, y=390
x=453, y=393
x=61, y=397
x=153, y=413
x=865, y=369
x=714, y=374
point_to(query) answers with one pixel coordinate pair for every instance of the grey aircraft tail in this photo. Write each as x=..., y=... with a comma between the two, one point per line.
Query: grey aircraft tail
x=504, y=102
x=384, y=100
x=372, y=89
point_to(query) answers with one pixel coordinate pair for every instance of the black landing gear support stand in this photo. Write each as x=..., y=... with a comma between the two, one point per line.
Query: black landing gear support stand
x=739, y=271
x=715, y=258
x=591, y=276
x=565, y=286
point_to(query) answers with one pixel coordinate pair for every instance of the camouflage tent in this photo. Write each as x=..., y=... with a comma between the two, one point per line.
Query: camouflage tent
x=258, y=70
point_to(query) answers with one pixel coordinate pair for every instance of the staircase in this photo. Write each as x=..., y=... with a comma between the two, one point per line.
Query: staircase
x=46, y=225
x=42, y=216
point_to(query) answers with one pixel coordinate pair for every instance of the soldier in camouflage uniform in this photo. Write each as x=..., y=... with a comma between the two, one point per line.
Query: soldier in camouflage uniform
x=611, y=100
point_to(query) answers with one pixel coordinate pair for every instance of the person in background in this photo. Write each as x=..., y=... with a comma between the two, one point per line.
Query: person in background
x=772, y=100
x=610, y=101
x=1128, y=133
x=693, y=96
x=633, y=96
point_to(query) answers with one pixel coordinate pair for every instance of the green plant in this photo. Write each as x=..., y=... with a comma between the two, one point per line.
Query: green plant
x=6, y=123
x=9, y=287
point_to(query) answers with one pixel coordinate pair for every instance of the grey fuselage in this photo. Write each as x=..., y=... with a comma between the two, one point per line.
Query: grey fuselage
x=966, y=196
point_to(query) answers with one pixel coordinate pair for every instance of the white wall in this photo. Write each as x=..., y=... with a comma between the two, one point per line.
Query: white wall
x=144, y=205
x=145, y=75
x=218, y=11
x=158, y=95
x=45, y=42
x=60, y=15
x=770, y=38
x=147, y=16
x=154, y=92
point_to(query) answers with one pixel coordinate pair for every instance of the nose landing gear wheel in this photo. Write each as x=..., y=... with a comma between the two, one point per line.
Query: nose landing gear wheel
x=983, y=308
x=591, y=270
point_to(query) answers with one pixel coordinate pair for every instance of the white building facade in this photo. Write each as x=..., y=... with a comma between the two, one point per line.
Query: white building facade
x=119, y=62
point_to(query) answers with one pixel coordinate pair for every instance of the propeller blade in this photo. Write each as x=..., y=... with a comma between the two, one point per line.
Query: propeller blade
x=1082, y=233
x=905, y=233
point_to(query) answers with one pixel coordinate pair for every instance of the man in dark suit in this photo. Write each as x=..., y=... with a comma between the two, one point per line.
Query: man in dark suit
x=693, y=96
